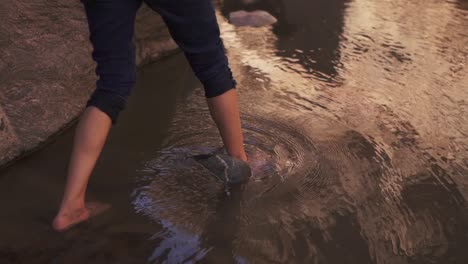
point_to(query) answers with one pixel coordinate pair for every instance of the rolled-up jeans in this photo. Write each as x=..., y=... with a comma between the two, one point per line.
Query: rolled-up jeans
x=193, y=26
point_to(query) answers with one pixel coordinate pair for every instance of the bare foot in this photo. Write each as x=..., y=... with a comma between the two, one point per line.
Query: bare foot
x=67, y=219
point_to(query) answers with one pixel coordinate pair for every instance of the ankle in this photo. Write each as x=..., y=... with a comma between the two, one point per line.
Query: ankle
x=72, y=204
x=241, y=156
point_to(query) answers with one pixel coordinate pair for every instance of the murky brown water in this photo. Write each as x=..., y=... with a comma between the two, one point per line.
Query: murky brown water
x=360, y=108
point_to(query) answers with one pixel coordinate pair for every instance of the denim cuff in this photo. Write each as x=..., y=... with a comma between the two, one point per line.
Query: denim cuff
x=108, y=102
x=220, y=83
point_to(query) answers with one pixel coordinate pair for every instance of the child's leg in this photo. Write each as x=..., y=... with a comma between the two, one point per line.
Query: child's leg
x=225, y=113
x=90, y=136
x=111, y=26
x=193, y=26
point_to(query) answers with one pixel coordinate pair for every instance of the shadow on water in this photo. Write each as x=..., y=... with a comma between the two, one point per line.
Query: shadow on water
x=221, y=232
x=463, y=4
x=308, y=32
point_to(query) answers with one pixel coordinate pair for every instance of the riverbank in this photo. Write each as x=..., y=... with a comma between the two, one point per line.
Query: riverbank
x=47, y=72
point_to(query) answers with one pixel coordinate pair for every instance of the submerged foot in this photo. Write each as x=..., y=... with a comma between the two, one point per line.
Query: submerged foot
x=232, y=169
x=226, y=168
x=67, y=218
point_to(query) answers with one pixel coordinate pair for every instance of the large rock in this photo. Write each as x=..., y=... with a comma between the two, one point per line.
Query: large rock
x=46, y=71
x=8, y=140
x=256, y=18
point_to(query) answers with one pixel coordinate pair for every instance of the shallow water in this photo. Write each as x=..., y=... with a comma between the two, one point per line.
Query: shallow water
x=356, y=112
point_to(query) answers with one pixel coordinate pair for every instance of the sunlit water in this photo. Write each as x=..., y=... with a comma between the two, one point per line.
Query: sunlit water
x=355, y=113
x=360, y=108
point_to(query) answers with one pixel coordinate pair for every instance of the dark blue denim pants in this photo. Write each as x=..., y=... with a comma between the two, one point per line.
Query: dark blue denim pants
x=193, y=26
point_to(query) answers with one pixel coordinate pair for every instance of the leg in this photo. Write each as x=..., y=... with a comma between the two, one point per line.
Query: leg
x=193, y=26
x=225, y=113
x=111, y=33
x=90, y=136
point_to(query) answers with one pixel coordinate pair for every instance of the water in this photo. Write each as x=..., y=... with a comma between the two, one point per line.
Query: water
x=356, y=112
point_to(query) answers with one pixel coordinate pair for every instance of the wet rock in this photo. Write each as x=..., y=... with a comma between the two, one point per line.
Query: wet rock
x=8, y=139
x=225, y=167
x=46, y=69
x=256, y=18
x=152, y=37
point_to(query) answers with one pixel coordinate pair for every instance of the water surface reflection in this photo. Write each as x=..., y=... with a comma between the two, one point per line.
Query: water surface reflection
x=360, y=108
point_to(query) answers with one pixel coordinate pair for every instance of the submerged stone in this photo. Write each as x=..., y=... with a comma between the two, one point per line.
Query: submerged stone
x=225, y=167
x=256, y=18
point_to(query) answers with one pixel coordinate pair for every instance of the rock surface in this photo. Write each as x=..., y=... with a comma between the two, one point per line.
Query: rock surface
x=46, y=69
x=8, y=139
x=256, y=18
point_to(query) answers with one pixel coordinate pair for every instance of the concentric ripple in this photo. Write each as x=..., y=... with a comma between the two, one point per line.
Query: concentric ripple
x=282, y=158
x=184, y=198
